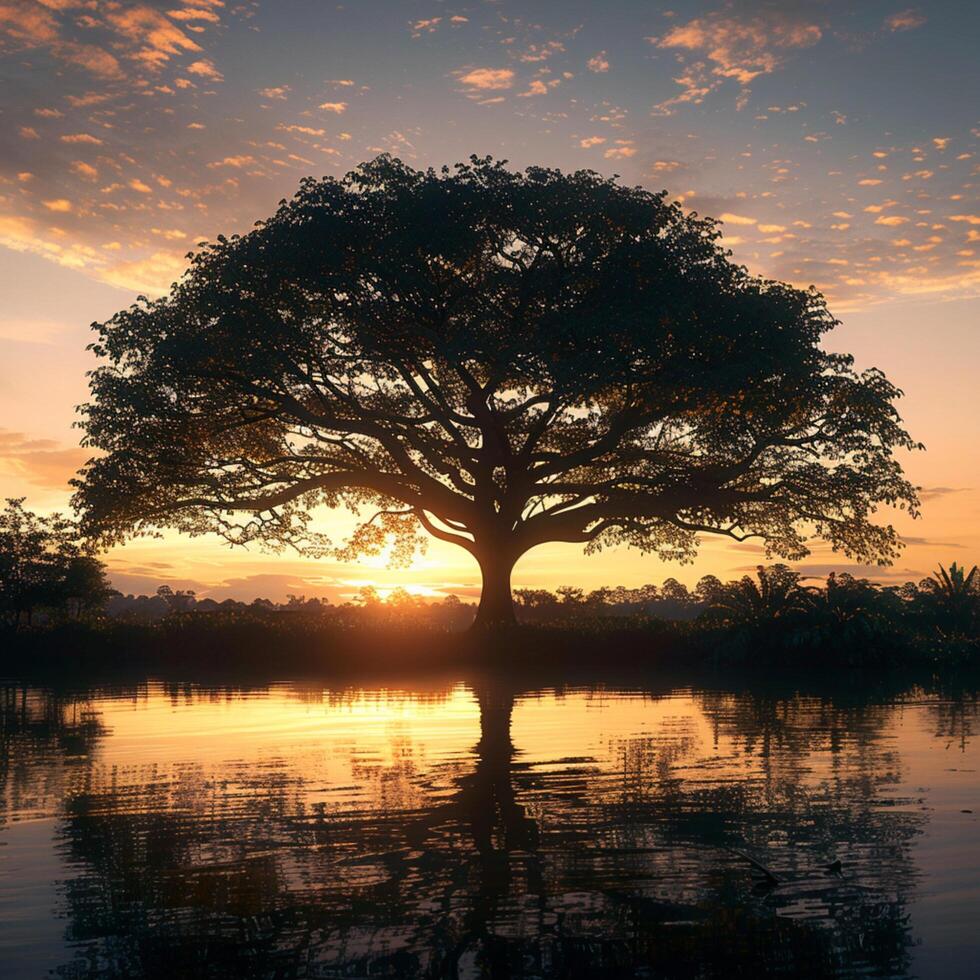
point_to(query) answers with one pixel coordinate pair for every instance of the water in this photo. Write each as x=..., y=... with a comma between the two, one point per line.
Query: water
x=468, y=828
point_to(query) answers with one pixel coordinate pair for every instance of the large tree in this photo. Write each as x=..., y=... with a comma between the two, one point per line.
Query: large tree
x=497, y=360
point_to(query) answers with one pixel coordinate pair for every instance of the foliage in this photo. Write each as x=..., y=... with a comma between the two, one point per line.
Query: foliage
x=951, y=600
x=777, y=595
x=43, y=566
x=496, y=359
x=846, y=620
x=775, y=622
x=85, y=588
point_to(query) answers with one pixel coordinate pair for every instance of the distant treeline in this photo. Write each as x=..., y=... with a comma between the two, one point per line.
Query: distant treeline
x=47, y=579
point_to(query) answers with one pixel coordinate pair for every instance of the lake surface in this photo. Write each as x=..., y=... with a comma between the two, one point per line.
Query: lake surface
x=469, y=828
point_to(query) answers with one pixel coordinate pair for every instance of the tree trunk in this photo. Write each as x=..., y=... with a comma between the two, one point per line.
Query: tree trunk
x=496, y=609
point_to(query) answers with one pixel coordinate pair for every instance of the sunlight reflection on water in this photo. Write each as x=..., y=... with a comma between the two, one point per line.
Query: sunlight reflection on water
x=492, y=829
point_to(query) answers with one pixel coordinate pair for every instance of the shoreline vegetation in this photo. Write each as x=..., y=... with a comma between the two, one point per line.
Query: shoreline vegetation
x=772, y=621
x=58, y=612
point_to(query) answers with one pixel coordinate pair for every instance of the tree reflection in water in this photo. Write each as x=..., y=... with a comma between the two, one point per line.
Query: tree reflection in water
x=496, y=866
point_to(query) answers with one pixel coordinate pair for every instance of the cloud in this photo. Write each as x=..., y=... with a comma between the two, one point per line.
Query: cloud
x=95, y=60
x=493, y=79
x=28, y=24
x=279, y=92
x=736, y=219
x=907, y=20
x=739, y=50
x=137, y=580
x=541, y=52
x=153, y=275
x=195, y=13
x=303, y=130
x=935, y=493
x=873, y=572
x=338, y=107
x=537, y=87
x=157, y=38
x=891, y=220
x=591, y=141
x=31, y=25
x=205, y=69
x=81, y=138
x=42, y=463
x=137, y=32
x=242, y=160
x=598, y=63
x=145, y=578
x=60, y=204
x=622, y=151
x=427, y=26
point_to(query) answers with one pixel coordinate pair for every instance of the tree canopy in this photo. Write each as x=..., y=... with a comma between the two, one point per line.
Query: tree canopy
x=497, y=359
x=43, y=565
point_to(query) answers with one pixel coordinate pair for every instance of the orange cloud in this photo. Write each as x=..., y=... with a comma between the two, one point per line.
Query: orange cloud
x=537, y=87
x=159, y=38
x=907, y=20
x=488, y=78
x=426, y=26
x=194, y=13
x=152, y=275
x=40, y=462
x=28, y=24
x=81, y=138
x=741, y=50
x=93, y=59
x=205, y=69
x=598, y=63
x=243, y=160
x=542, y=52
x=625, y=149
x=304, y=130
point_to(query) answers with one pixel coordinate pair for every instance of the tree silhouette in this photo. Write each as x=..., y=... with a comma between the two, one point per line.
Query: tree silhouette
x=44, y=566
x=498, y=360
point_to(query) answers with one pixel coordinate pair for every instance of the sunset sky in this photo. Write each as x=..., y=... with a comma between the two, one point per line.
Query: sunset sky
x=837, y=142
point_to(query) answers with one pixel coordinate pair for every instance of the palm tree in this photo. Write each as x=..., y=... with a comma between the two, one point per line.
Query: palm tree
x=849, y=613
x=957, y=582
x=953, y=598
x=777, y=595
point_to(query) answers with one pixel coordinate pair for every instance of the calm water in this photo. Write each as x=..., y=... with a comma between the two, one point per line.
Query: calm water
x=462, y=829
